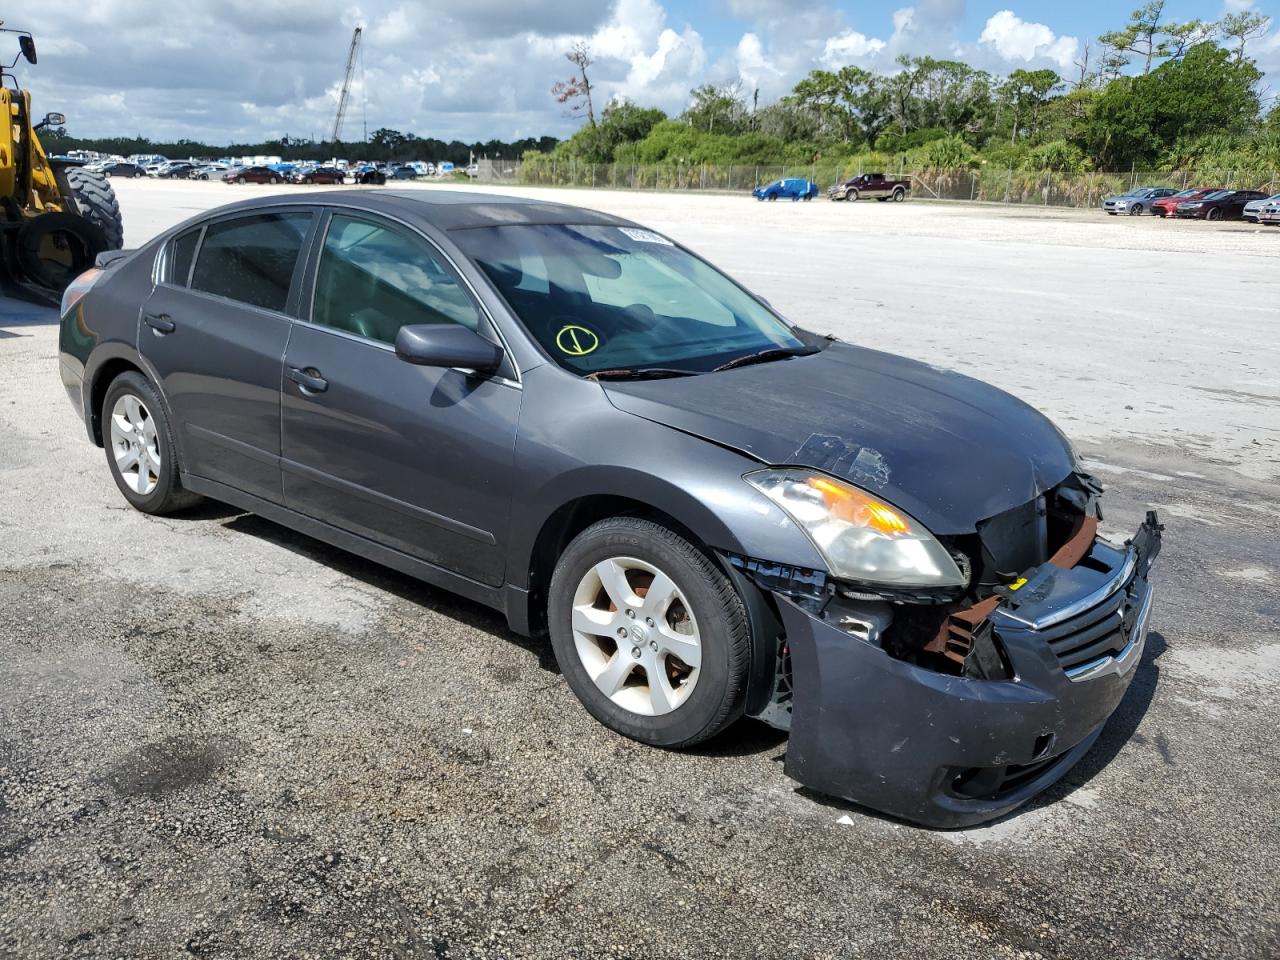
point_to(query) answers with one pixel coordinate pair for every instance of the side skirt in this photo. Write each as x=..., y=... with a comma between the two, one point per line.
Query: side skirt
x=361, y=546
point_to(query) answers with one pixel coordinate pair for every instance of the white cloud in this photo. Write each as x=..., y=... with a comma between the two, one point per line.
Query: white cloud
x=1017, y=39
x=849, y=46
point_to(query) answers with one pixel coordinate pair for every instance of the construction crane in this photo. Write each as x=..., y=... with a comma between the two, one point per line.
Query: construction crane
x=346, y=84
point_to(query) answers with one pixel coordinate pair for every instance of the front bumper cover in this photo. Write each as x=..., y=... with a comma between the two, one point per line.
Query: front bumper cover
x=947, y=751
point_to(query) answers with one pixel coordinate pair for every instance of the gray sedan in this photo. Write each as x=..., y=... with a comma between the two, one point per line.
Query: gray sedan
x=1136, y=202
x=575, y=420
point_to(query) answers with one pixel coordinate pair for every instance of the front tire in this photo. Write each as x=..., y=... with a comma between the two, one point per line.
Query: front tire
x=1214, y=214
x=852, y=196
x=1135, y=210
x=140, y=450
x=650, y=635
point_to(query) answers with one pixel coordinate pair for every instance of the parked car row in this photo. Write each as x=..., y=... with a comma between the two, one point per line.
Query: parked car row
x=1195, y=203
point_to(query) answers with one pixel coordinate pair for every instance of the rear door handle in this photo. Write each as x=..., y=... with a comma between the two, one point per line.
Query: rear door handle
x=161, y=323
x=309, y=379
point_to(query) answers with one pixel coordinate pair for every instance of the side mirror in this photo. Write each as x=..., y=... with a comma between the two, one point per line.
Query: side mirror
x=28, y=46
x=53, y=120
x=447, y=345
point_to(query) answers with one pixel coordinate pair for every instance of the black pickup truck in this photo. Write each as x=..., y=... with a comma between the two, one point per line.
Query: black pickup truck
x=871, y=185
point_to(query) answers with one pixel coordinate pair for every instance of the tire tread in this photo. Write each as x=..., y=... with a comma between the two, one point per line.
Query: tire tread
x=96, y=201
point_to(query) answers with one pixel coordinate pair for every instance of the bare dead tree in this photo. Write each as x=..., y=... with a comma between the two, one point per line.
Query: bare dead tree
x=575, y=92
x=1082, y=64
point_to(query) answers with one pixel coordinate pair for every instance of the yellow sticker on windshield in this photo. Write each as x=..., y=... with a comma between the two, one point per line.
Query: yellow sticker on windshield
x=576, y=341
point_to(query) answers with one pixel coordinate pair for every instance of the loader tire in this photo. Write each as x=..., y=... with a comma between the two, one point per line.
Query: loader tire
x=96, y=202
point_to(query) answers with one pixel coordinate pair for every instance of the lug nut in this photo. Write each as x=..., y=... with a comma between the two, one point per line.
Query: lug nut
x=648, y=621
x=635, y=652
x=622, y=631
x=653, y=645
x=631, y=614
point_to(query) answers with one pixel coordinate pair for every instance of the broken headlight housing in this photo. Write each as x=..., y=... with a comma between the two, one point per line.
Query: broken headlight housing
x=860, y=538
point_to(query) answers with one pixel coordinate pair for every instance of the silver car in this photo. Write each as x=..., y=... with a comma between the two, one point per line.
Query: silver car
x=1136, y=202
x=1253, y=209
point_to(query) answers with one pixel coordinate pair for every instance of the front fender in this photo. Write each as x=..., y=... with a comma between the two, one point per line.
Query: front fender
x=573, y=444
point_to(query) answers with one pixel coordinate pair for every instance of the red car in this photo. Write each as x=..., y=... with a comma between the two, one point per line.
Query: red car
x=253, y=175
x=1165, y=206
x=318, y=175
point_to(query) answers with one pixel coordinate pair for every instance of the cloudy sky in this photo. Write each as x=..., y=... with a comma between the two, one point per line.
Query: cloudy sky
x=223, y=70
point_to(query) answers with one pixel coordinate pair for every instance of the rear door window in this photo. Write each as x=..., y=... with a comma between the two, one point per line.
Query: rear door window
x=252, y=259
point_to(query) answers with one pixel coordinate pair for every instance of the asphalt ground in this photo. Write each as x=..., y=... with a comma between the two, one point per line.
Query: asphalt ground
x=222, y=739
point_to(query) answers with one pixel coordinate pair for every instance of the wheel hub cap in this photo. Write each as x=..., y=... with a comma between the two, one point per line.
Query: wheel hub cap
x=636, y=636
x=135, y=444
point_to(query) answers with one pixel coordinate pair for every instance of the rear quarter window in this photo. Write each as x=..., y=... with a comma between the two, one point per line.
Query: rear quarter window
x=251, y=259
x=183, y=251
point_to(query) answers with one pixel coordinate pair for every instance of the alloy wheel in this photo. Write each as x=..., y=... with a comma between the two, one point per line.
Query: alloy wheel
x=636, y=636
x=135, y=444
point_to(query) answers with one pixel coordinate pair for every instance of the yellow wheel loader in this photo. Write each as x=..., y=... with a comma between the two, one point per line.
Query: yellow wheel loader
x=55, y=216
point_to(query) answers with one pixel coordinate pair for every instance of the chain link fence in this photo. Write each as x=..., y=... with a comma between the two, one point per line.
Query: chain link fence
x=986, y=183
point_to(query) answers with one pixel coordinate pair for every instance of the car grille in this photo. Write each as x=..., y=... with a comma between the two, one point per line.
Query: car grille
x=1098, y=632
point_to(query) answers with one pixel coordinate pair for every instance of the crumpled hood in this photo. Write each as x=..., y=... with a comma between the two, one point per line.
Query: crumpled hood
x=948, y=449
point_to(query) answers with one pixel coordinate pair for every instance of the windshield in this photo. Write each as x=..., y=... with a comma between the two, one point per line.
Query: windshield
x=1218, y=195
x=603, y=298
x=1186, y=193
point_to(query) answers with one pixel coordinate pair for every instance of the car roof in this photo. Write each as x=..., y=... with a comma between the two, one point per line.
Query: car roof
x=445, y=209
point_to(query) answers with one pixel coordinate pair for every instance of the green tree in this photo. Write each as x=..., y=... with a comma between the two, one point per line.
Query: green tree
x=717, y=108
x=1240, y=28
x=1207, y=91
x=853, y=103
x=1148, y=35
x=1026, y=92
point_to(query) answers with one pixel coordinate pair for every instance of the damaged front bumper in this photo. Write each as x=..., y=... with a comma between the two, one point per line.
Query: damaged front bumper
x=951, y=751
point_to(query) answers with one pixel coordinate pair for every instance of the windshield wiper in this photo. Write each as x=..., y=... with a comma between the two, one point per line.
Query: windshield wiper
x=641, y=373
x=764, y=356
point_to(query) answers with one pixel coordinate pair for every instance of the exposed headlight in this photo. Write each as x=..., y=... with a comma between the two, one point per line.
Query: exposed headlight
x=1120, y=203
x=1192, y=206
x=859, y=537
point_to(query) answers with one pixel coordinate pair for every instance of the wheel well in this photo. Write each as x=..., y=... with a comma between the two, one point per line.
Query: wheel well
x=570, y=520
x=101, y=384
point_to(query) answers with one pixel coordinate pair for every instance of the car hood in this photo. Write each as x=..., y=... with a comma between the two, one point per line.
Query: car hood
x=948, y=449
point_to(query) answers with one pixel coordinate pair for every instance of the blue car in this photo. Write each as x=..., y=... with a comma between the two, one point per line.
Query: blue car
x=789, y=188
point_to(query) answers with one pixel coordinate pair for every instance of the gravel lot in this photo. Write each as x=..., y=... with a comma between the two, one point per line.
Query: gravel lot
x=221, y=739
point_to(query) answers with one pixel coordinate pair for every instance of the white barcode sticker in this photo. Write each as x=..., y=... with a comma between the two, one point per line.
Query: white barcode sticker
x=645, y=236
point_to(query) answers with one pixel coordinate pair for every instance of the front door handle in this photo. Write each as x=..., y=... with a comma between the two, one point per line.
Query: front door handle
x=308, y=379
x=161, y=323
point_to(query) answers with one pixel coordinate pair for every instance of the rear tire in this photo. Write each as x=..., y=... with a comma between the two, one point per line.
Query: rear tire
x=899, y=195
x=97, y=203
x=139, y=444
x=683, y=606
